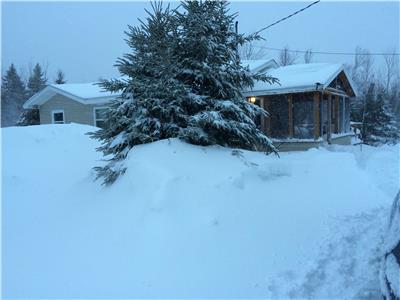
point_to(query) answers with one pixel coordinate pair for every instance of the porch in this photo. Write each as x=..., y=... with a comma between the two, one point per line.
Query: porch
x=308, y=107
x=299, y=121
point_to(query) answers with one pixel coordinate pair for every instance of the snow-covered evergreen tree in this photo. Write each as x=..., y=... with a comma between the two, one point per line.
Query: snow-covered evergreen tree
x=208, y=52
x=29, y=117
x=379, y=123
x=13, y=95
x=36, y=82
x=182, y=79
x=60, y=77
x=150, y=107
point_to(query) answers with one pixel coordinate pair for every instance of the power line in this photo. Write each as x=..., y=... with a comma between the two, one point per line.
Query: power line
x=285, y=18
x=323, y=52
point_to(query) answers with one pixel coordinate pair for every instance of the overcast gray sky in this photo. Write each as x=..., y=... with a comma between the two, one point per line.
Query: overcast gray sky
x=84, y=38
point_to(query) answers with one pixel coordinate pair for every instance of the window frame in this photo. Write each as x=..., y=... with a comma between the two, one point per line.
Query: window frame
x=94, y=115
x=57, y=111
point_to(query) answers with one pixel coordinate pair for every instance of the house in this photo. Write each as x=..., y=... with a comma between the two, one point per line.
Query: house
x=308, y=107
x=83, y=103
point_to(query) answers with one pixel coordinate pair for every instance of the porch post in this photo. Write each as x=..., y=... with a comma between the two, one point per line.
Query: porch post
x=329, y=131
x=316, y=116
x=290, y=103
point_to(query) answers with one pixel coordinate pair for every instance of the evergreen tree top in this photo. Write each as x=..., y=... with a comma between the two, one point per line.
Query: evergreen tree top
x=212, y=61
x=60, y=77
x=37, y=80
x=12, y=82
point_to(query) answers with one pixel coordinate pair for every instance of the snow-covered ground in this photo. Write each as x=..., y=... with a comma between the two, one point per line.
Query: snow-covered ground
x=188, y=221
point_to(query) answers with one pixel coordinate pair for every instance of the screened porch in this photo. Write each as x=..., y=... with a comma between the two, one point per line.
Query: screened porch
x=304, y=116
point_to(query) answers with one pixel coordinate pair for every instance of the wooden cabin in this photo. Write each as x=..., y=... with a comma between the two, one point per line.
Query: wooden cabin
x=309, y=107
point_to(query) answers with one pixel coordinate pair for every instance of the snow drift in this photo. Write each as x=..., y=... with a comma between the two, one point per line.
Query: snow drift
x=189, y=221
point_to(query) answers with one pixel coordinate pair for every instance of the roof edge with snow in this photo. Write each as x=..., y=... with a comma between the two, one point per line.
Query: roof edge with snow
x=52, y=89
x=299, y=86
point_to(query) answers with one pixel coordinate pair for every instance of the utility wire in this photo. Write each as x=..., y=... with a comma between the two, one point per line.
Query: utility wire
x=314, y=52
x=285, y=18
x=328, y=53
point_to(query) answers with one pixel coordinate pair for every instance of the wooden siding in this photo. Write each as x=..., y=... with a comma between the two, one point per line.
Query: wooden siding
x=74, y=112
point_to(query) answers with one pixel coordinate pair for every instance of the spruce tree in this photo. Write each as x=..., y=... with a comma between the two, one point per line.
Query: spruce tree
x=149, y=108
x=13, y=95
x=379, y=123
x=36, y=82
x=183, y=79
x=211, y=68
x=60, y=77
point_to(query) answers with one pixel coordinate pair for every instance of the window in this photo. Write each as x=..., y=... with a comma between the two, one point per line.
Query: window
x=57, y=116
x=303, y=116
x=279, y=114
x=324, y=115
x=346, y=114
x=100, y=116
x=341, y=114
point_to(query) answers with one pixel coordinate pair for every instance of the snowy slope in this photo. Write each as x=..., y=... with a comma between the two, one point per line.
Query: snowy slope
x=188, y=221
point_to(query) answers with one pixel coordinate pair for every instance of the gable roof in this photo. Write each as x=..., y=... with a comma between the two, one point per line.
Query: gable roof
x=299, y=78
x=83, y=90
x=260, y=65
x=85, y=93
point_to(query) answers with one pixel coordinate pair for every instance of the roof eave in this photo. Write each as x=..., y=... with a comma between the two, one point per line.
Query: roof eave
x=49, y=91
x=300, y=89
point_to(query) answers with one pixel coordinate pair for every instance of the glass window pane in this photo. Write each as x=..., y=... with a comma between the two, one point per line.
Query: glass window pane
x=58, y=117
x=100, y=124
x=100, y=113
x=279, y=113
x=347, y=115
x=341, y=114
x=303, y=116
x=324, y=115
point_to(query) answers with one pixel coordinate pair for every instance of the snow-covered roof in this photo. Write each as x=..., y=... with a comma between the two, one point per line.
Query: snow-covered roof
x=92, y=93
x=293, y=78
x=86, y=93
x=299, y=78
x=83, y=90
x=260, y=65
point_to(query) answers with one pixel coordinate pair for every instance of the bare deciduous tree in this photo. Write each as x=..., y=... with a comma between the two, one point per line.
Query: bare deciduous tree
x=363, y=69
x=250, y=51
x=286, y=57
x=308, y=56
x=391, y=68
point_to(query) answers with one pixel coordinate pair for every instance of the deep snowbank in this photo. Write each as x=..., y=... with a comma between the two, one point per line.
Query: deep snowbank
x=187, y=221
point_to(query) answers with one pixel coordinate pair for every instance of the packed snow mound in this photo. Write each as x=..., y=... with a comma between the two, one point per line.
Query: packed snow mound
x=186, y=221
